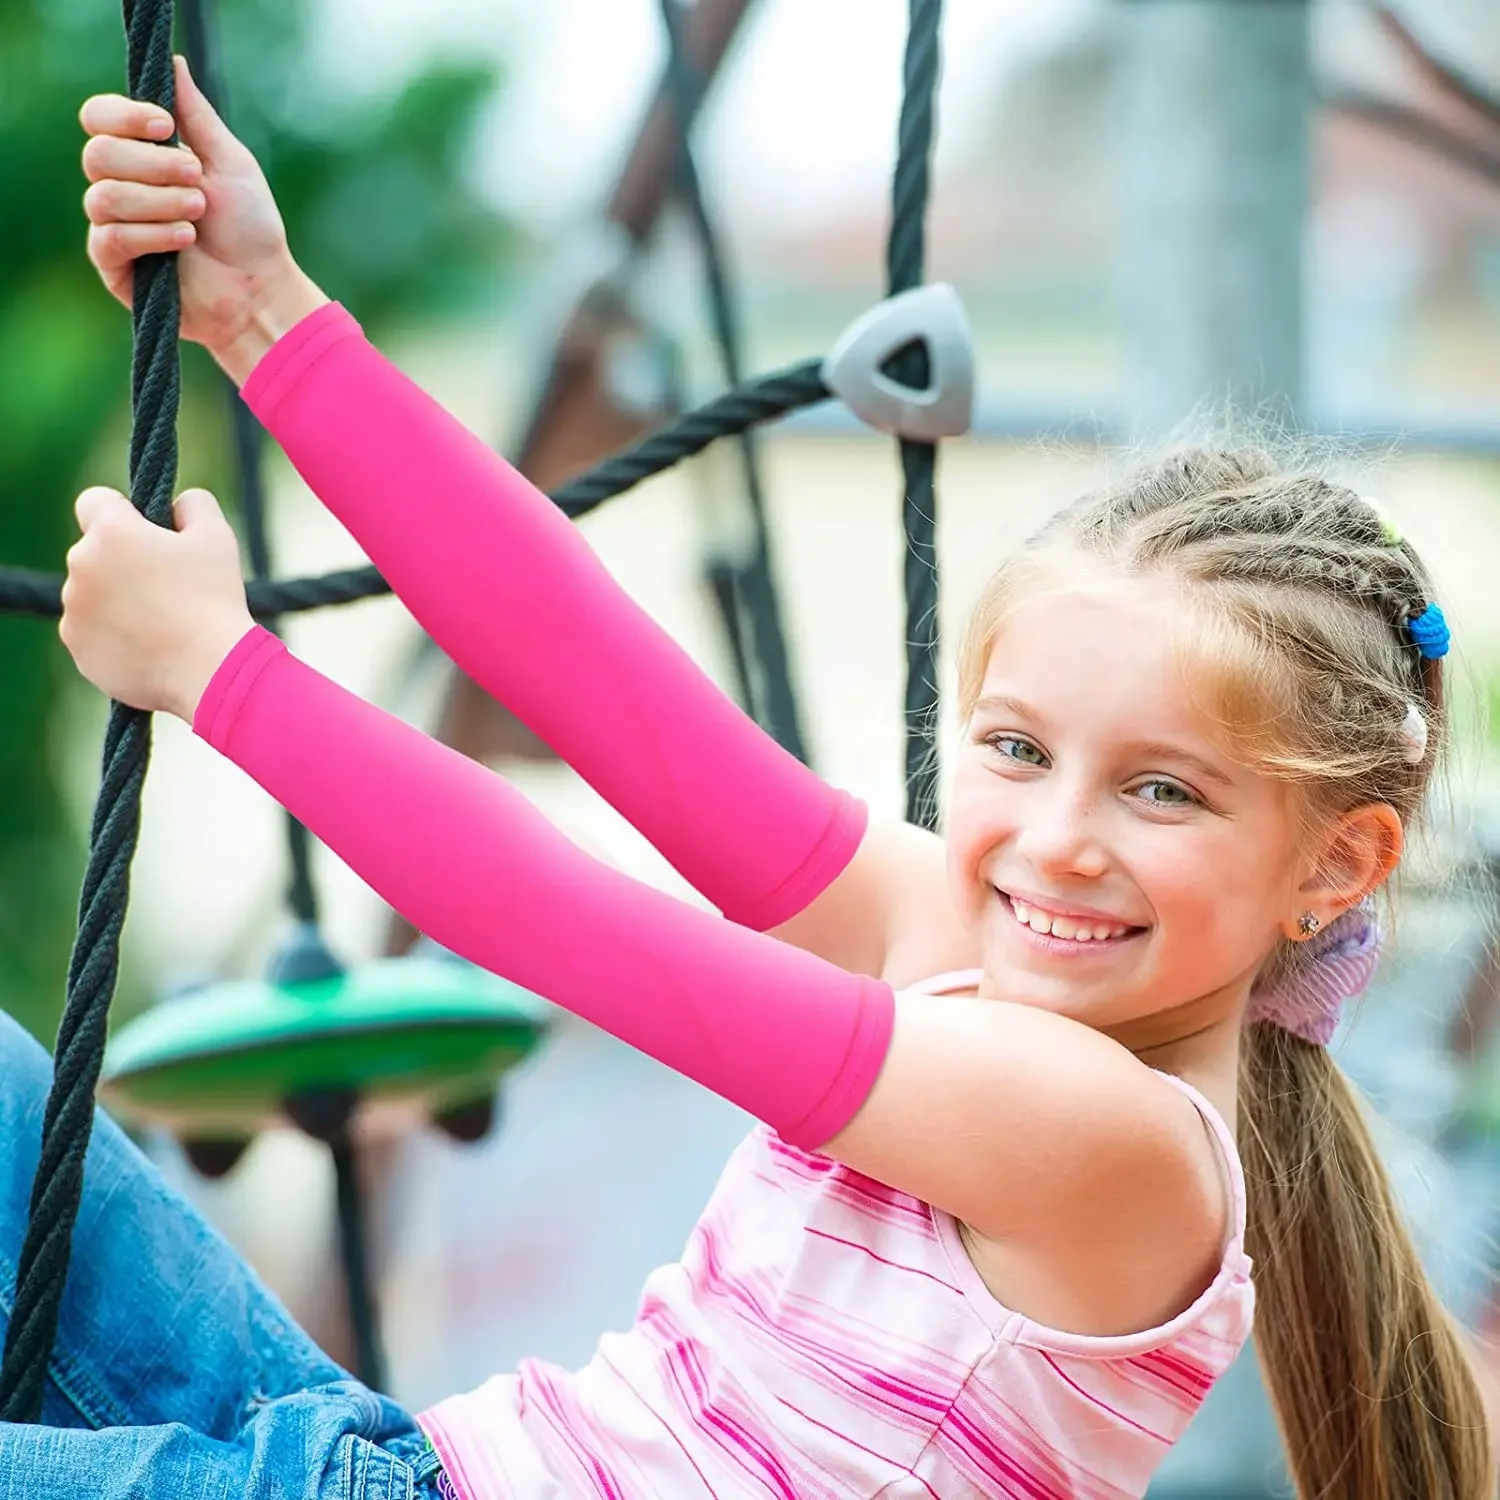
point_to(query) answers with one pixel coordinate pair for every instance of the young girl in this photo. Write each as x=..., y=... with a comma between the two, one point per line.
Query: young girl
x=991, y=1237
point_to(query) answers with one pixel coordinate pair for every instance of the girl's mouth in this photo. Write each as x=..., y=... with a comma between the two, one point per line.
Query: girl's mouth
x=1065, y=933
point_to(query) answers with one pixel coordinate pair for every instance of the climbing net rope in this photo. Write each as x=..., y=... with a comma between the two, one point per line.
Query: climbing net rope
x=752, y=609
x=155, y=398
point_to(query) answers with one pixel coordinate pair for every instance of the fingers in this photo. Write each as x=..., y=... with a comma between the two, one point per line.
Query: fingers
x=136, y=203
x=121, y=119
x=196, y=509
x=115, y=114
x=100, y=502
x=113, y=247
x=142, y=200
x=111, y=156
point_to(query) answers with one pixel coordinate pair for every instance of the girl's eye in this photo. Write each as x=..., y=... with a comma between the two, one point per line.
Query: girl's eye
x=1165, y=794
x=1012, y=747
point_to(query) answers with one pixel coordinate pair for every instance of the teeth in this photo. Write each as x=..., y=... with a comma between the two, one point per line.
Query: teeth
x=1068, y=928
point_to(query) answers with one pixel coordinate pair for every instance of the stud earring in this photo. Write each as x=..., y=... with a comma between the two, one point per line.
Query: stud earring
x=1308, y=923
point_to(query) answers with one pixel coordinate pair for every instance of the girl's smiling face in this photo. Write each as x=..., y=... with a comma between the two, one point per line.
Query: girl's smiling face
x=1114, y=859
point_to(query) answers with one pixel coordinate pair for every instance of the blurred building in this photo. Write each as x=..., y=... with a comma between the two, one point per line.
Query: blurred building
x=1403, y=260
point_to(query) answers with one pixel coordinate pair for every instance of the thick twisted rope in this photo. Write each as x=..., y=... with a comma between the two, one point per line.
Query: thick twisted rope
x=57, y=1189
x=249, y=441
x=906, y=256
x=23, y=591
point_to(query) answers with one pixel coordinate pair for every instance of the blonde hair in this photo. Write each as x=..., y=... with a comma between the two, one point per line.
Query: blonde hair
x=1299, y=596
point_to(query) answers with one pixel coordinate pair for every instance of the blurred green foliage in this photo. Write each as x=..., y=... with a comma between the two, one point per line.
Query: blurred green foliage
x=380, y=212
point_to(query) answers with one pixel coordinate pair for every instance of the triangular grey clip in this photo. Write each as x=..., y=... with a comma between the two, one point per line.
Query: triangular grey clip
x=933, y=315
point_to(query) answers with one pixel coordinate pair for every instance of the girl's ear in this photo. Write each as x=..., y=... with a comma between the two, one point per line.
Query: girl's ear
x=1355, y=855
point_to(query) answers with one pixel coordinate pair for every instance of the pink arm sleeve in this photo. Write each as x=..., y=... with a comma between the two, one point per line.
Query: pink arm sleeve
x=507, y=586
x=469, y=861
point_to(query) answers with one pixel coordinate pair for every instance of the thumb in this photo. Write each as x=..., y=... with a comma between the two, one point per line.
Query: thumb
x=198, y=121
x=98, y=503
x=196, y=510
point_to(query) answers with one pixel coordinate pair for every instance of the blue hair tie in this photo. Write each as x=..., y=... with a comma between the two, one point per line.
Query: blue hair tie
x=1429, y=633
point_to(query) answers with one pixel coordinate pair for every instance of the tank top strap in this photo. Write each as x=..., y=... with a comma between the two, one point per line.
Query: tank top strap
x=947, y=984
x=1230, y=1155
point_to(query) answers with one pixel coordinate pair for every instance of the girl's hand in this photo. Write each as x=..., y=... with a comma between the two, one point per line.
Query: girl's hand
x=149, y=614
x=206, y=199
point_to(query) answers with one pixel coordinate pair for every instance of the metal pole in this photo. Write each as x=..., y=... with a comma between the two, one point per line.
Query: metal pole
x=1217, y=101
x=364, y=1322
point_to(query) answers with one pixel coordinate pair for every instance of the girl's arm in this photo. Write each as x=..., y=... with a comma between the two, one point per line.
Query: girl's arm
x=1031, y=1129
x=514, y=594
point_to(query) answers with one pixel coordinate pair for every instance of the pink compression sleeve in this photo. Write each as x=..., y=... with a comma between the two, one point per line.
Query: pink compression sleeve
x=507, y=586
x=469, y=861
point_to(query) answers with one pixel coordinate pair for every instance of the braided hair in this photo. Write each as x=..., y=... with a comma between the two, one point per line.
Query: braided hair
x=1305, y=597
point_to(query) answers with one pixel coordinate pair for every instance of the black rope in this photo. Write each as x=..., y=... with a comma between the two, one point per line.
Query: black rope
x=68, y=1122
x=762, y=400
x=906, y=256
x=23, y=591
x=249, y=441
x=1419, y=129
x=301, y=893
x=747, y=590
x=369, y=1351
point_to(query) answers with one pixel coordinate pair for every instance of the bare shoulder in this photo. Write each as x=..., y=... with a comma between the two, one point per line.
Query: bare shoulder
x=1132, y=1254
x=1092, y=1189
x=928, y=936
x=889, y=913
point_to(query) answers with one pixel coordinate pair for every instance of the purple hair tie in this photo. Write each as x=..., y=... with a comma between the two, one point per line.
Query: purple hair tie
x=1333, y=966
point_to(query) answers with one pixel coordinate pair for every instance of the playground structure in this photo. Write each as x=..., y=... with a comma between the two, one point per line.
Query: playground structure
x=309, y=1040
x=183, y=1064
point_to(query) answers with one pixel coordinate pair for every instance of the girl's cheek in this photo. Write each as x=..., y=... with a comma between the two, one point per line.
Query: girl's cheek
x=964, y=878
x=1214, y=921
x=969, y=841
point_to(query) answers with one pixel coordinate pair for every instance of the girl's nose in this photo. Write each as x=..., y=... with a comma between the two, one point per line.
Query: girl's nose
x=1061, y=834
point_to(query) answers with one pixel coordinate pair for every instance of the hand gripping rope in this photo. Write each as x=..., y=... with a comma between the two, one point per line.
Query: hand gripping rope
x=906, y=367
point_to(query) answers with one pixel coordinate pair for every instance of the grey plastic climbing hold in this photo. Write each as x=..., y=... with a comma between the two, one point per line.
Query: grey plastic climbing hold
x=932, y=315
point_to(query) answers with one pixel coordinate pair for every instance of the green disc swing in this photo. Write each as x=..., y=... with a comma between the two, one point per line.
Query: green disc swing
x=219, y=1064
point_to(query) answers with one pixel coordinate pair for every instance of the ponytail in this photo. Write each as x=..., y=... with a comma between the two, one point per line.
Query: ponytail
x=1372, y=1387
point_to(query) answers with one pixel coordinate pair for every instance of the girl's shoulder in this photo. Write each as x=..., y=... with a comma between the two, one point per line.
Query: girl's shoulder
x=1041, y=1291
x=925, y=935
x=823, y=1230
x=889, y=913
x=1048, y=1304
x=1103, y=1268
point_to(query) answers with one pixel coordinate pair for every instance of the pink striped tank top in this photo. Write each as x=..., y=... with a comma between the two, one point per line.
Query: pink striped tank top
x=825, y=1337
